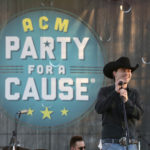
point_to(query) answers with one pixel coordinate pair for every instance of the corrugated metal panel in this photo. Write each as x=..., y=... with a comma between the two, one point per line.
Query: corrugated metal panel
x=121, y=34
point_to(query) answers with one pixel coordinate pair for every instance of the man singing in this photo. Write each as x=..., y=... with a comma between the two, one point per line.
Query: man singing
x=110, y=102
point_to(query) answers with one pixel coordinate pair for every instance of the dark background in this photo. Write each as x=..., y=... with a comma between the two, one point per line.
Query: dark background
x=121, y=33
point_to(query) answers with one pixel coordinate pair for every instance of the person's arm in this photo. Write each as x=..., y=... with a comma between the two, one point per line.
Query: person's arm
x=104, y=100
x=134, y=107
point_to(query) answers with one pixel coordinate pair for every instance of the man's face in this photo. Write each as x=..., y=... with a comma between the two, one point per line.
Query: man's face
x=80, y=145
x=123, y=74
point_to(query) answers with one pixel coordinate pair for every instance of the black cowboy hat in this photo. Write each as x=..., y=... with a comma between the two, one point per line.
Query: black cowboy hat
x=122, y=62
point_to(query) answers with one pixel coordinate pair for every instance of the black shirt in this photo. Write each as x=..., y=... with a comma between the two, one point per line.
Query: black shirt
x=110, y=105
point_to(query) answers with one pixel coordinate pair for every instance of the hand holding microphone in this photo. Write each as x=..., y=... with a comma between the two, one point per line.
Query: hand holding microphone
x=120, y=88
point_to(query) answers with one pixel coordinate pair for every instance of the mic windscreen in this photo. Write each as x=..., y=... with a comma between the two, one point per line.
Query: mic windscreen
x=120, y=83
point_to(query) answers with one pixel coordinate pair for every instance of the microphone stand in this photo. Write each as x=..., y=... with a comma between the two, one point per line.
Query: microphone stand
x=126, y=123
x=13, y=140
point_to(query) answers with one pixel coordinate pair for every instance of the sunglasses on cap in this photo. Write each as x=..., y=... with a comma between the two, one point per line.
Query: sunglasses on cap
x=82, y=148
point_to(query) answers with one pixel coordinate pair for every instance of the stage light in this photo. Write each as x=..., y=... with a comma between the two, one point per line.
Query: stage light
x=125, y=7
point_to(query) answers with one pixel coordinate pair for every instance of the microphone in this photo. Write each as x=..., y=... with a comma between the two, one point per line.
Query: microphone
x=25, y=111
x=121, y=83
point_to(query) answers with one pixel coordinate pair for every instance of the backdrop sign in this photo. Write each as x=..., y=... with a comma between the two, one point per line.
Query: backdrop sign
x=50, y=67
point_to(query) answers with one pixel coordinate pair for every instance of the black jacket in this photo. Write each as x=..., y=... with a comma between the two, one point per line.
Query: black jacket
x=110, y=105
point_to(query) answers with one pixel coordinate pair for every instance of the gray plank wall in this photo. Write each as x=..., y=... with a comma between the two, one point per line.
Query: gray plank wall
x=121, y=34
